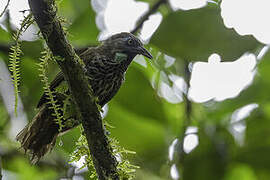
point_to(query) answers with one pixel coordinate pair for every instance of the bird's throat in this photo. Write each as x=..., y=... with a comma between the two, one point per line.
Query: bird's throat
x=124, y=60
x=120, y=57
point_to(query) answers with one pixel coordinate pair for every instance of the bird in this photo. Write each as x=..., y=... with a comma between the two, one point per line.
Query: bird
x=105, y=68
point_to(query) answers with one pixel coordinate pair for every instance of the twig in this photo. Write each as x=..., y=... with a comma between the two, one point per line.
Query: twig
x=145, y=17
x=23, y=11
x=5, y=9
x=71, y=65
x=187, y=77
x=188, y=109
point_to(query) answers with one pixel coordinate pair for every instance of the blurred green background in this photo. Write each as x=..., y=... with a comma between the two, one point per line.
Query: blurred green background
x=173, y=135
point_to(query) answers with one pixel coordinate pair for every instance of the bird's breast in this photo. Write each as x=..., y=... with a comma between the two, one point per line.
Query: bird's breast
x=105, y=81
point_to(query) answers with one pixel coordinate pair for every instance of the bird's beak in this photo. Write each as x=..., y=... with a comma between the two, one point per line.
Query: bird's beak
x=144, y=52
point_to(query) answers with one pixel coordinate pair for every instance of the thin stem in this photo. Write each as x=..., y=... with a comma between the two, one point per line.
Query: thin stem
x=145, y=17
x=188, y=104
x=188, y=108
x=5, y=9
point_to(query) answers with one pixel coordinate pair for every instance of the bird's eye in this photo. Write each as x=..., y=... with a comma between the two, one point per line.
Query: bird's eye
x=130, y=42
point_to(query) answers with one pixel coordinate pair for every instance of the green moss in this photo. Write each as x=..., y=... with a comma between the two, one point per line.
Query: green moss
x=125, y=169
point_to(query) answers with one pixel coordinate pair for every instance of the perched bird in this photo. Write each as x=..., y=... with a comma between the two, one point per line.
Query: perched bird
x=105, y=66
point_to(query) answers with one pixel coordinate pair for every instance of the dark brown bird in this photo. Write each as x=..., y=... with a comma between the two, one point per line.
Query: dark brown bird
x=106, y=65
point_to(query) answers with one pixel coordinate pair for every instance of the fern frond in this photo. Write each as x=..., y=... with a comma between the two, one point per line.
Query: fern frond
x=14, y=57
x=82, y=151
x=46, y=56
x=125, y=169
x=14, y=69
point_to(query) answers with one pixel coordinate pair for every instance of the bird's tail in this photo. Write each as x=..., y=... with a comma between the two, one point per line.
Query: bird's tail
x=39, y=136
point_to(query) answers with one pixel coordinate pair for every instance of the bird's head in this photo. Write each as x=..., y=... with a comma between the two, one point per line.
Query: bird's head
x=126, y=44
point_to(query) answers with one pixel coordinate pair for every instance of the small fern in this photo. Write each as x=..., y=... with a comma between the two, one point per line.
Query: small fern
x=82, y=151
x=125, y=169
x=46, y=56
x=14, y=57
x=14, y=69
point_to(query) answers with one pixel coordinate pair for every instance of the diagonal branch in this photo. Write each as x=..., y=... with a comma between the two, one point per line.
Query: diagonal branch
x=5, y=8
x=145, y=17
x=44, y=12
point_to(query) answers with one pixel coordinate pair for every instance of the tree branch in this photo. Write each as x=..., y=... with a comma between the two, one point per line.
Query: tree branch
x=44, y=12
x=145, y=17
x=5, y=8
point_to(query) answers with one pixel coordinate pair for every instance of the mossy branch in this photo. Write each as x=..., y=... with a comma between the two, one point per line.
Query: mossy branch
x=44, y=12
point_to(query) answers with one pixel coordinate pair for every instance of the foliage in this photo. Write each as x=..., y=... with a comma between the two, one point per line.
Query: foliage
x=144, y=120
x=195, y=27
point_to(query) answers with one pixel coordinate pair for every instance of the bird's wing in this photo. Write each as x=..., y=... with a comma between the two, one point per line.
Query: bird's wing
x=79, y=51
x=83, y=53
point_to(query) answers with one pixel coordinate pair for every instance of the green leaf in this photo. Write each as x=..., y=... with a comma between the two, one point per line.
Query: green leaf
x=195, y=34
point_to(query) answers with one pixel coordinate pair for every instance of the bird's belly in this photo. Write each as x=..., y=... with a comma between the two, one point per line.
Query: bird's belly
x=106, y=87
